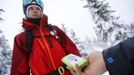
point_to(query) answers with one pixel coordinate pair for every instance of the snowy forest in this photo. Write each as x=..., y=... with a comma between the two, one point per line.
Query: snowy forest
x=109, y=30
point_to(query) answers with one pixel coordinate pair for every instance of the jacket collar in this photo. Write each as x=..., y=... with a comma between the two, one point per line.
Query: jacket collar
x=29, y=26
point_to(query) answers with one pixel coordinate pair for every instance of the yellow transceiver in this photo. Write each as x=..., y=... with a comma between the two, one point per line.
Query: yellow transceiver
x=71, y=59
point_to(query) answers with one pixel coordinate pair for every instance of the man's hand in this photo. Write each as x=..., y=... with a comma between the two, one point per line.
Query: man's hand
x=96, y=65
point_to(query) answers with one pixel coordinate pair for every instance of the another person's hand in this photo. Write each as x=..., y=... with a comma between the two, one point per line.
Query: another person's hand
x=96, y=65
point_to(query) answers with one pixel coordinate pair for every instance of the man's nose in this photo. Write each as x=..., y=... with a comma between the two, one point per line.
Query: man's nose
x=35, y=11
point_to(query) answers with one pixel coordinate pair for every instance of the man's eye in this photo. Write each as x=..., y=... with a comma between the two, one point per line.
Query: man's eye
x=31, y=8
x=37, y=9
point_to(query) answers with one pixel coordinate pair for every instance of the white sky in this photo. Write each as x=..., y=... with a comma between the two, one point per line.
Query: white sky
x=69, y=12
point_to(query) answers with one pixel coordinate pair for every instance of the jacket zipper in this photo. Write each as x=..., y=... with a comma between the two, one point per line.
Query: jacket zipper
x=48, y=49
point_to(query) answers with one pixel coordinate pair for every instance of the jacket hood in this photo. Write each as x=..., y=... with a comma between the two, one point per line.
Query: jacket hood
x=29, y=25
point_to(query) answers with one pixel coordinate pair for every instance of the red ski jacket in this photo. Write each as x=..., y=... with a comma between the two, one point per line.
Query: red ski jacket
x=43, y=59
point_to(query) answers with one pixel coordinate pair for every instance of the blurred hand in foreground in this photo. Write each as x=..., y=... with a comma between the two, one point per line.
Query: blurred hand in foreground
x=96, y=65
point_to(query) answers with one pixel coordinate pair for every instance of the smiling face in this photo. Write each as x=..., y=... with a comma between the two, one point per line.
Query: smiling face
x=34, y=12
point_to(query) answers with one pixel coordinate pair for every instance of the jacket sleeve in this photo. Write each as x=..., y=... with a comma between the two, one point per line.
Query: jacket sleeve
x=19, y=64
x=119, y=59
x=67, y=43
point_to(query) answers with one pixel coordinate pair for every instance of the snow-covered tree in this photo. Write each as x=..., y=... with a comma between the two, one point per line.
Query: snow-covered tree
x=80, y=45
x=108, y=28
x=5, y=56
x=64, y=28
x=1, y=11
x=130, y=30
x=5, y=53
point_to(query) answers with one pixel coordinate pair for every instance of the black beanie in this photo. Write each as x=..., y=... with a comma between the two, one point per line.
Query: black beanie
x=27, y=3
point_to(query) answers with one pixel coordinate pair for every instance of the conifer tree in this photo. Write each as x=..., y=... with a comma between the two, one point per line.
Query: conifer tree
x=108, y=27
x=5, y=52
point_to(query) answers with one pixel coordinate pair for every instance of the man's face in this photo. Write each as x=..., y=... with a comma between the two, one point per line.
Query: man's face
x=34, y=12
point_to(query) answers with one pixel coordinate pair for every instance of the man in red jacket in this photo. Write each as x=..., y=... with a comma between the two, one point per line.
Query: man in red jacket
x=48, y=47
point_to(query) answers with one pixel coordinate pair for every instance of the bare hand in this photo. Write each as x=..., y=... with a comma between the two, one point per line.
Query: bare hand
x=96, y=66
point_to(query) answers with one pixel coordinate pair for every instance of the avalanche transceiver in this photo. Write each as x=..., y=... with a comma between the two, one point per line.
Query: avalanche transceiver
x=71, y=59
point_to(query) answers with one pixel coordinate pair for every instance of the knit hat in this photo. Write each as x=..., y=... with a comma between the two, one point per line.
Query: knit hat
x=27, y=3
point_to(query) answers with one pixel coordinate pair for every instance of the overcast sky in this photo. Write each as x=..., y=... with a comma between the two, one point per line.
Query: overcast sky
x=68, y=12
